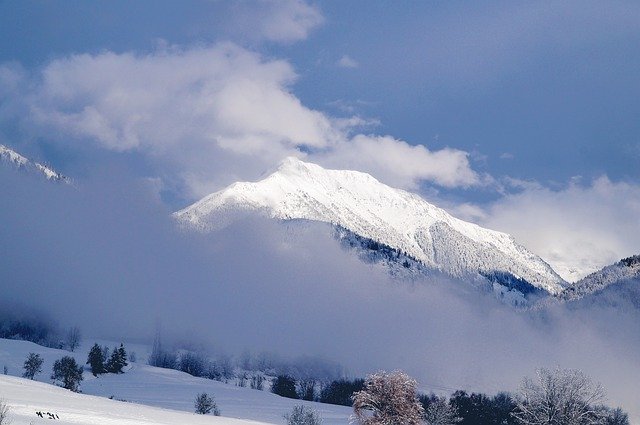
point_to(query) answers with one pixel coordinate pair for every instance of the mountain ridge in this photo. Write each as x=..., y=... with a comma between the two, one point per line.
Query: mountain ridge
x=358, y=202
x=10, y=156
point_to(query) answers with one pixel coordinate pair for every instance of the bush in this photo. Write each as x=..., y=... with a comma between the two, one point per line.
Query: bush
x=284, y=386
x=68, y=373
x=32, y=366
x=301, y=415
x=205, y=404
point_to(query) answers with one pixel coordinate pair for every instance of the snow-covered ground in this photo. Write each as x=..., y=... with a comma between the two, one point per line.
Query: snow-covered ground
x=26, y=398
x=141, y=384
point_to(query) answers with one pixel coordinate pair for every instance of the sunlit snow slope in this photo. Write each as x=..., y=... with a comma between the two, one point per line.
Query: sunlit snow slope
x=12, y=157
x=358, y=202
x=141, y=384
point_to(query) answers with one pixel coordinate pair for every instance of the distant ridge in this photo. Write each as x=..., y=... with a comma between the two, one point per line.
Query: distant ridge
x=12, y=157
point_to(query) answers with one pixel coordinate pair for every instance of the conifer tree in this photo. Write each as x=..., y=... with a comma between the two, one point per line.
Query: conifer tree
x=118, y=360
x=96, y=360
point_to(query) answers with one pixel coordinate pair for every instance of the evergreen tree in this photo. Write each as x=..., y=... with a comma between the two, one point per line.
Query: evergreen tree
x=118, y=360
x=284, y=386
x=96, y=360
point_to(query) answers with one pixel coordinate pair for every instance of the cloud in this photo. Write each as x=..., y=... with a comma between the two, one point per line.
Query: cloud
x=108, y=249
x=205, y=117
x=577, y=229
x=347, y=62
x=401, y=164
x=282, y=21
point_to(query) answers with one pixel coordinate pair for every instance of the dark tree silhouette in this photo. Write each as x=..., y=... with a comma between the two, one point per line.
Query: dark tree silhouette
x=32, y=366
x=67, y=372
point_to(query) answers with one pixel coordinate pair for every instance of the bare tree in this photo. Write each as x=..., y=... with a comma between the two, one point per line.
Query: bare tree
x=440, y=412
x=388, y=399
x=4, y=413
x=560, y=397
x=73, y=338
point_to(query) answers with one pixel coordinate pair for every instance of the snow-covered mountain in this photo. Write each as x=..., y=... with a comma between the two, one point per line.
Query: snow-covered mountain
x=12, y=157
x=359, y=204
x=621, y=276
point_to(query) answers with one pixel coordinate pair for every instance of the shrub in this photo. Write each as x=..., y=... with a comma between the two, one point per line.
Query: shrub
x=205, y=404
x=301, y=415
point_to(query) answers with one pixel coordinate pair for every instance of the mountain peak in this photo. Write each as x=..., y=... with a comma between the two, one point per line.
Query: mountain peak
x=359, y=203
x=293, y=164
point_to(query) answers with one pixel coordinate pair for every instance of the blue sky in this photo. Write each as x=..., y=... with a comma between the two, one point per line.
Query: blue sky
x=515, y=115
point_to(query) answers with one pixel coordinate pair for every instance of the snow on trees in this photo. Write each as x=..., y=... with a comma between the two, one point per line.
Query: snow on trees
x=32, y=366
x=560, y=396
x=440, y=412
x=302, y=415
x=388, y=399
x=205, y=404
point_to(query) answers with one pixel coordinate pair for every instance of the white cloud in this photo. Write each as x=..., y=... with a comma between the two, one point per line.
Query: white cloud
x=578, y=229
x=282, y=21
x=347, y=62
x=401, y=164
x=209, y=116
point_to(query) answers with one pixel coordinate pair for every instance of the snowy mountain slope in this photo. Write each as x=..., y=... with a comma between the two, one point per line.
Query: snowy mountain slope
x=12, y=157
x=625, y=274
x=150, y=386
x=359, y=203
x=25, y=398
